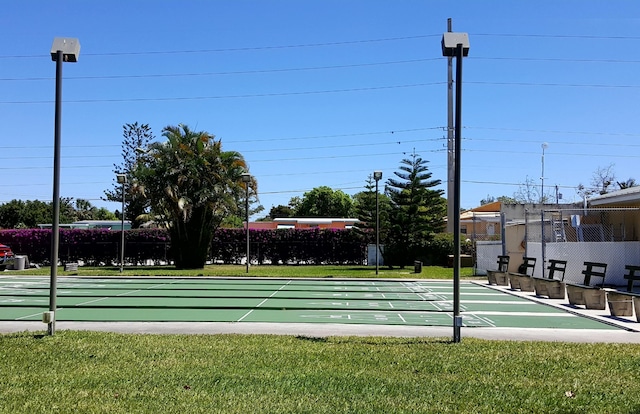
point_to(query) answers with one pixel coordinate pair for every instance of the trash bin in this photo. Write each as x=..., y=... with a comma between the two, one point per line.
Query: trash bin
x=19, y=262
x=417, y=267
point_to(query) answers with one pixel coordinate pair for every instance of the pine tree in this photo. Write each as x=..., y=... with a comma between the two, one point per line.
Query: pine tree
x=417, y=212
x=135, y=136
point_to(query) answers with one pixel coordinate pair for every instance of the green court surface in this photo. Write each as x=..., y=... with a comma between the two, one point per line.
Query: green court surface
x=343, y=301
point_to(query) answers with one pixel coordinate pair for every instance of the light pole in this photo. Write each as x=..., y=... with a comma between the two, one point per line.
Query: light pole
x=544, y=147
x=456, y=44
x=62, y=50
x=122, y=179
x=246, y=179
x=377, y=175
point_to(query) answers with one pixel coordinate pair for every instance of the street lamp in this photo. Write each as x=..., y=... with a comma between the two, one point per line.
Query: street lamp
x=122, y=179
x=62, y=50
x=544, y=147
x=377, y=175
x=456, y=44
x=246, y=179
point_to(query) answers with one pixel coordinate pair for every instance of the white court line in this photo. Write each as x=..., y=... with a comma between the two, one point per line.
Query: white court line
x=97, y=300
x=122, y=294
x=266, y=299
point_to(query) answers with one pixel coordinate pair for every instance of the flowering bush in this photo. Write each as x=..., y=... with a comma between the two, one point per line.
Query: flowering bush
x=102, y=247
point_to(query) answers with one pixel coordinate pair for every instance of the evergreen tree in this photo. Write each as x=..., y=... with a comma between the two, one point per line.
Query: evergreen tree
x=135, y=137
x=417, y=212
x=365, y=207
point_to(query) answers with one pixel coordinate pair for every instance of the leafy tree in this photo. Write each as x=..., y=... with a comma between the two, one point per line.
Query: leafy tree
x=11, y=214
x=502, y=199
x=28, y=214
x=417, y=211
x=506, y=200
x=135, y=137
x=280, y=211
x=36, y=212
x=193, y=185
x=488, y=200
x=323, y=201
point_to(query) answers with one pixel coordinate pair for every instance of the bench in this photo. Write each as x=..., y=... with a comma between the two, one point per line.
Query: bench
x=523, y=278
x=631, y=276
x=499, y=277
x=553, y=286
x=592, y=297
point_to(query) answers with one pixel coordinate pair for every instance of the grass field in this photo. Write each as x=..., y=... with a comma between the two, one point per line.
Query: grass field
x=90, y=372
x=428, y=272
x=115, y=373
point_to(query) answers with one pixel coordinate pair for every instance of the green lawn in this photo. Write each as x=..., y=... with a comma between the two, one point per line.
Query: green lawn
x=116, y=373
x=428, y=272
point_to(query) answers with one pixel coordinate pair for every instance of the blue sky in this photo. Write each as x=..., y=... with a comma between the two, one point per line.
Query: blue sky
x=319, y=93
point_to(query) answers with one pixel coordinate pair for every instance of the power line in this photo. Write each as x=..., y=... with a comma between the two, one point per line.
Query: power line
x=240, y=49
x=241, y=72
x=552, y=131
x=259, y=95
x=338, y=43
x=571, y=85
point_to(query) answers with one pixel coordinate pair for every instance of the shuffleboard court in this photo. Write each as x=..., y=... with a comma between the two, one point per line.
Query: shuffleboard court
x=238, y=300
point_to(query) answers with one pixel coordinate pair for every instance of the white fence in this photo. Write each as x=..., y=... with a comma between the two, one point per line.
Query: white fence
x=615, y=254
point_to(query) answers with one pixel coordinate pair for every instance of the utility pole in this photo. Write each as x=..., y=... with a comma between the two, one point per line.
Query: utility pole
x=451, y=215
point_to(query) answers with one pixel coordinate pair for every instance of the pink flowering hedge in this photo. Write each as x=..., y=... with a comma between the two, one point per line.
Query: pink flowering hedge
x=102, y=247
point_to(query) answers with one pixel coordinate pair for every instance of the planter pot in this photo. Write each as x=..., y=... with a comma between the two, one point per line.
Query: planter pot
x=574, y=293
x=522, y=282
x=620, y=304
x=514, y=280
x=497, y=278
x=541, y=287
x=636, y=307
x=594, y=299
x=556, y=289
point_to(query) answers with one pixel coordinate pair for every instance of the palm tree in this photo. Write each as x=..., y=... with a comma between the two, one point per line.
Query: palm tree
x=192, y=185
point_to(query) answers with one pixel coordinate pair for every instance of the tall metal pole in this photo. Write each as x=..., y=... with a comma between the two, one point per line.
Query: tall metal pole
x=451, y=213
x=122, y=230
x=377, y=226
x=457, y=319
x=542, y=244
x=55, y=236
x=246, y=205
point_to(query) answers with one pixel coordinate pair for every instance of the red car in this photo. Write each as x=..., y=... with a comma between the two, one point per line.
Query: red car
x=6, y=257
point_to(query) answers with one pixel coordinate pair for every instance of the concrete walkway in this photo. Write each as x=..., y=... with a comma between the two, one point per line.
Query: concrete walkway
x=324, y=330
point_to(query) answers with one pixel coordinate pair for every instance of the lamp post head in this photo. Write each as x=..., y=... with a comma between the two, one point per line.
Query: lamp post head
x=450, y=41
x=121, y=178
x=377, y=175
x=69, y=46
x=246, y=177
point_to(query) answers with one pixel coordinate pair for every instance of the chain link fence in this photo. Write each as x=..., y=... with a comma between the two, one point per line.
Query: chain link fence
x=577, y=235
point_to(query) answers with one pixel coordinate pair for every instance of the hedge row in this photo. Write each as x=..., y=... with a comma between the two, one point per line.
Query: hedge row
x=102, y=247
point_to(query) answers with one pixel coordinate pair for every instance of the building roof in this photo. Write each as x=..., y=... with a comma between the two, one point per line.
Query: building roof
x=315, y=220
x=627, y=197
